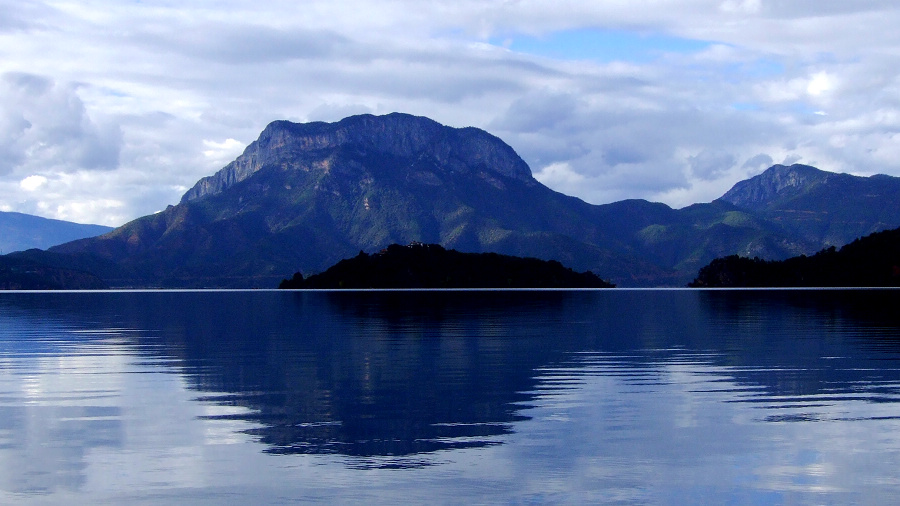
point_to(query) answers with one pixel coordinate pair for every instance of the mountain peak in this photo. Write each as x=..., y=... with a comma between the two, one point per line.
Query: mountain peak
x=403, y=136
x=776, y=183
x=305, y=195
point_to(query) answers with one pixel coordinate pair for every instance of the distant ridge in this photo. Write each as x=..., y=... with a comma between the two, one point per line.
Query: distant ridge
x=20, y=232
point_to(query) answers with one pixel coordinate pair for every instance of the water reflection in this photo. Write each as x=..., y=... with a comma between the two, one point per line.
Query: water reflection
x=607, y=392
x=810, y=346
x=367, y=375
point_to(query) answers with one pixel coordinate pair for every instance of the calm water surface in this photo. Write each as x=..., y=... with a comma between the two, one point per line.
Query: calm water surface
x=659, y=397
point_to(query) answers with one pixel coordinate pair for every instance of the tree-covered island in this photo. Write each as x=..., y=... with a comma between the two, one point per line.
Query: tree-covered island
x=431, y=266
x=871, y=261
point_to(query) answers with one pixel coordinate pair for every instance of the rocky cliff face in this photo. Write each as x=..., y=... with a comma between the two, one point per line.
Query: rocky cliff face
x=821, y=207
x=304, y=196
x=775, y=184
x=299, y=146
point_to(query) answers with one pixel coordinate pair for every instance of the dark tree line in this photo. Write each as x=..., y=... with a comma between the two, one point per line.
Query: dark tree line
x=432, y=266
x=873, y=260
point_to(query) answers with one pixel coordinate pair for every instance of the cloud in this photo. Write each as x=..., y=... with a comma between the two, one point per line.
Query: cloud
x=32, y=183
x=45, y=125
x=335, y=112
x=246, y=43
x=538, y=111
x=147, y=94
x=791, y=159
x=758, y=163
x=711, y=163
x=741, y=6
x=222, y=152
x=635, y=141
x=559, y=174
x=21, y=16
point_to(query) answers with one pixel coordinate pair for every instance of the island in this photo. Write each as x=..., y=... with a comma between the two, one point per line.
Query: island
x=420, y=265
x=871, y=261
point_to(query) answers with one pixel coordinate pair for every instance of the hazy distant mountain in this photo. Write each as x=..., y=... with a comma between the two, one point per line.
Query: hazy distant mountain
x=304, y=196
x=19, y=232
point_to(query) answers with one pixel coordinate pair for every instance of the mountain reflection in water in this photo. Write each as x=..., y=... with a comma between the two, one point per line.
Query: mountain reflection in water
x=394, y=380
x=366, y=374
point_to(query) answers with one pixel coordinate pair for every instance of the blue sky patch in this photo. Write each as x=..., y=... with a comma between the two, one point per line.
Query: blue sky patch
x=745, y=106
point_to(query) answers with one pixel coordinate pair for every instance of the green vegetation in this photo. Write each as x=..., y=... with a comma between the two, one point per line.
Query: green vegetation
x=431, y=266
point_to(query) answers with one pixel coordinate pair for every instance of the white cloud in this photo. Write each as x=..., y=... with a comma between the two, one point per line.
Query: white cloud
x=136, y=101
x=222, y=152
x=819, y=84
x=83, y=211
x=741, y=6
x=557, y=174
x=32, y=183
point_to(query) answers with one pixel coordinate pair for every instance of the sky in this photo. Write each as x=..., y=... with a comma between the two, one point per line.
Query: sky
x=111, y=110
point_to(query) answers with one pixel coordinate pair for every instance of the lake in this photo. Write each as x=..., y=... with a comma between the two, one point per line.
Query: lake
x=483, y=397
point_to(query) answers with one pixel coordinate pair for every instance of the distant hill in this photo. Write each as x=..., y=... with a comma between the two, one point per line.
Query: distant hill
x=19, y=232
x=304, y=196
x=431, y=266
x=872, y=261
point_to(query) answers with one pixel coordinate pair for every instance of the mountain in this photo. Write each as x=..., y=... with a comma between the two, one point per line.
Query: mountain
x=431, y=266
x=19, y=232
x=820, y=207
x=871, y=261
x=20, y=272
x=304, y=196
